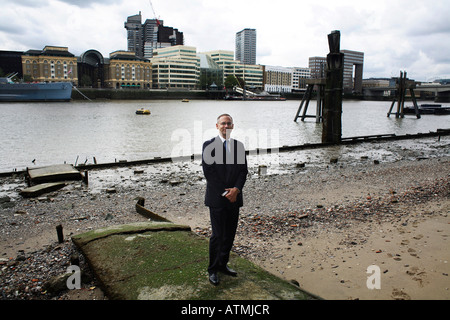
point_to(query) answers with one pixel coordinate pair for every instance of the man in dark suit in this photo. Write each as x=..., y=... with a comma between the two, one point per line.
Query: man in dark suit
x=224, y=164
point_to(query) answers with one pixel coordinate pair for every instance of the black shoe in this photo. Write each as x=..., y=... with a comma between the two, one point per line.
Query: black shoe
x=214, y=278
x=227, y=270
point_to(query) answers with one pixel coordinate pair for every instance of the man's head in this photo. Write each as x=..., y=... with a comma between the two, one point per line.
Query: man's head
x=225, y=125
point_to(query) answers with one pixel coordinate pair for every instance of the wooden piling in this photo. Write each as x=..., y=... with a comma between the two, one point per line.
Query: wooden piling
x=332, y=109
x=86, y=177
x=416, y=107
x=59, y=232
x=141, y=201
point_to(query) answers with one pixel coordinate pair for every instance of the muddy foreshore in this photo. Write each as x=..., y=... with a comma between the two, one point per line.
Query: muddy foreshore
x=295, y=219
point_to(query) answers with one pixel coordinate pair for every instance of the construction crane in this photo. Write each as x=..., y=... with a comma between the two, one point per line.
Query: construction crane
x=154, y=14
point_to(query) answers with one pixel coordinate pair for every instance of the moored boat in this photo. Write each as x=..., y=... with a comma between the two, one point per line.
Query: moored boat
x=38, y=91
x=436, y=109
x=264, y=96
x=143, y=111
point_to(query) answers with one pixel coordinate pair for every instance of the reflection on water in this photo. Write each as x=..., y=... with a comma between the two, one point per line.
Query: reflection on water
x=110, y=131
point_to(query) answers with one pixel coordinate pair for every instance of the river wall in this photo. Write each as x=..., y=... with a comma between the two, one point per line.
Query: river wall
x=159, y=94
x=124, y=94
x=162, y=94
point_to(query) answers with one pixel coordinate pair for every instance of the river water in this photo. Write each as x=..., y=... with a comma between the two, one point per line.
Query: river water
x=76, y=132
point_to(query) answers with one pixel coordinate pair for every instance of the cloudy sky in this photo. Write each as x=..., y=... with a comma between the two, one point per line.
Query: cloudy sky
x=395, y=35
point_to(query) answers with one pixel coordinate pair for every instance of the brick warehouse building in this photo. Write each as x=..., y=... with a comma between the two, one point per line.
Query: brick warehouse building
x=56, y=64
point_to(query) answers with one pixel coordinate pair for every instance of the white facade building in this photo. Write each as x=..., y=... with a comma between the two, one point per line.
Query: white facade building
x=299, y=78
x=251, y=74
x=176, y=67
x=278, y=79
x=283, y=79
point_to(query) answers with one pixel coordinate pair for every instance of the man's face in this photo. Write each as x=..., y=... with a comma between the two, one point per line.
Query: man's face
x=225, y=126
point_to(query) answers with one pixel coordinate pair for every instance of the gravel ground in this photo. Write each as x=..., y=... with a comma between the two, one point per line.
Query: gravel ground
x=302, y=195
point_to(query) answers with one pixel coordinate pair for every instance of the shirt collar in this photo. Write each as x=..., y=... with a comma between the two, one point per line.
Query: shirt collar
x=222, y=139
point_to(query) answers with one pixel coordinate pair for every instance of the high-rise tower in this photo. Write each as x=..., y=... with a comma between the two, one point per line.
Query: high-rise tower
x=246, y=46
x=144, y=38
x=135, y=34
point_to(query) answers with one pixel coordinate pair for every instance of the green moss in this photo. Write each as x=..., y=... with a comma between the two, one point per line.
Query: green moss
x=164, y=262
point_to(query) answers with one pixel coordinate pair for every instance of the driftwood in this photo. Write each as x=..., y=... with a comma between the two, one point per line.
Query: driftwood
x=147, y=213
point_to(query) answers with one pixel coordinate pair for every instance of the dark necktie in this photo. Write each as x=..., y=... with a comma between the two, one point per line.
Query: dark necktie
x=225, y=152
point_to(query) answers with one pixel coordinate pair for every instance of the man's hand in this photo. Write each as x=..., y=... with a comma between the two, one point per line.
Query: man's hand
x=232, y=194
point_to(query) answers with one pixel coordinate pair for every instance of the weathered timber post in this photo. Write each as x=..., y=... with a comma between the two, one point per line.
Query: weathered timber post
x=402, y=93
x=59, y=232
x=416, y=106
x=332, y=109
x=86, y=177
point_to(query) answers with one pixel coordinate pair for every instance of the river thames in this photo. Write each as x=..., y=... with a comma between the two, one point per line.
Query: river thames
x=39, y=134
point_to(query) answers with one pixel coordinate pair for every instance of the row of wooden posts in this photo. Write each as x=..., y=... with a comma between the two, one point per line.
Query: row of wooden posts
x=319, y=85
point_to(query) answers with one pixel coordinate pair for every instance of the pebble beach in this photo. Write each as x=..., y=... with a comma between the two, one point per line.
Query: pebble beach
x=315, y=222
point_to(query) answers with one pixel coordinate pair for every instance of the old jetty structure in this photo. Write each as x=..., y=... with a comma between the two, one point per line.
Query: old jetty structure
x=329, y=94
x=403, y=85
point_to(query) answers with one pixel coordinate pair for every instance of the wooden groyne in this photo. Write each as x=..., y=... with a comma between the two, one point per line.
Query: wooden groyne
x=306, y=146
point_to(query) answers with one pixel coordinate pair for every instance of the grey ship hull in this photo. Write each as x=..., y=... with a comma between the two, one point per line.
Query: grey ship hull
x=57, y=91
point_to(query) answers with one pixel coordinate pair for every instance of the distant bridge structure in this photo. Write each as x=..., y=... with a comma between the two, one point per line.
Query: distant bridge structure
x=419, y=87
x=433, y=88
x=441, y=92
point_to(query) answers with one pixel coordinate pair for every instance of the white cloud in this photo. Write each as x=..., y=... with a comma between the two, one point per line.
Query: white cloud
x=409, y=35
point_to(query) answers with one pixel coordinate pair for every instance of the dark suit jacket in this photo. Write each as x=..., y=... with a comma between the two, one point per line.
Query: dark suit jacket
x=221, y=176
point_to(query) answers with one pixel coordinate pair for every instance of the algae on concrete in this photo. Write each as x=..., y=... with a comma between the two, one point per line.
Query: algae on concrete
x=164, y=261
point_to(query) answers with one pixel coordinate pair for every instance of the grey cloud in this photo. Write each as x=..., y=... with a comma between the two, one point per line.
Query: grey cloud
x=89, y=3
x=31, y=3
x=430, y=28
x=10, y=28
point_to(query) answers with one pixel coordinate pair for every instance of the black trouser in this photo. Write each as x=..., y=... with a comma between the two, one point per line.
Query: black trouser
x=224, y=222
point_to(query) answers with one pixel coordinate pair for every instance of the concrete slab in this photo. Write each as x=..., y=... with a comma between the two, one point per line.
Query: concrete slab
x=54, y=173
x=40, y=189
x=165, y=261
